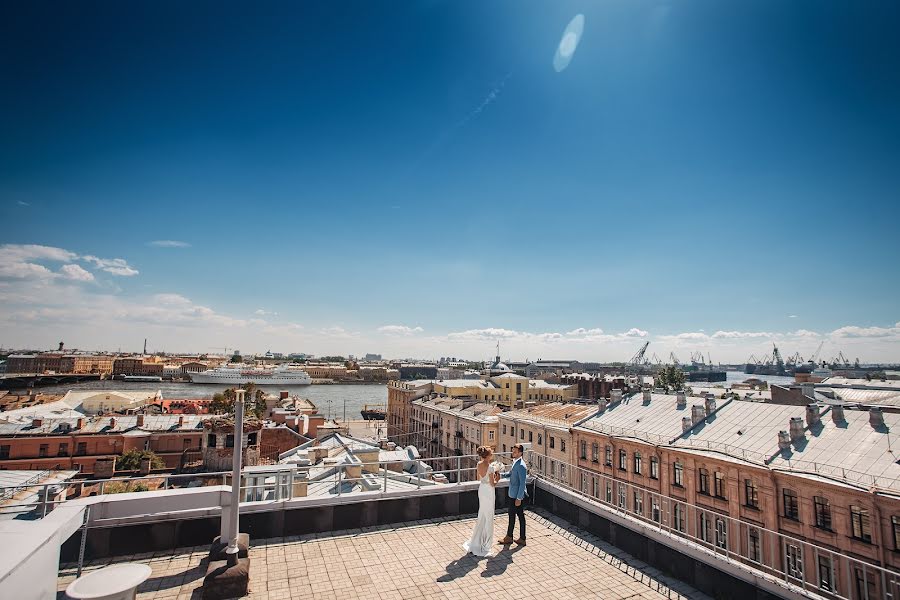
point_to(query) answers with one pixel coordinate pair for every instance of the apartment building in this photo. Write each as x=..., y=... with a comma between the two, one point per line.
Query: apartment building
x=506, y=391
x=137, y=366
x=77, y=443
x=722, y=470
x=547, y=428
x=400, y=396
x=449, y=427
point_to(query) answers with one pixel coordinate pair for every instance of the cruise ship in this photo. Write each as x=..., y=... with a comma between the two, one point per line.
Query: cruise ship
x=241, y=374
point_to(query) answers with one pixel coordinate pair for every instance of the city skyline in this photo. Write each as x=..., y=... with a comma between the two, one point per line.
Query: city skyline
x=426, y=180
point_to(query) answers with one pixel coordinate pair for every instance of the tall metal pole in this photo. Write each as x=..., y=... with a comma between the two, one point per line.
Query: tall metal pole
x=232, y=550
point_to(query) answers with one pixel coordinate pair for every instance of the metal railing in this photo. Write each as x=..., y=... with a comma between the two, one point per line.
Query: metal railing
x=10, y=491
x=271, y=485
x=791, y=562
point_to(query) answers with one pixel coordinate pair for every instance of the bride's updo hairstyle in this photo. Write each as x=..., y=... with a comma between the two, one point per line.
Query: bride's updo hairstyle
x=484, y=451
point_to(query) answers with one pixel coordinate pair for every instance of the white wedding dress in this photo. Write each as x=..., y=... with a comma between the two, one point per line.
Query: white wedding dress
x=482, y=539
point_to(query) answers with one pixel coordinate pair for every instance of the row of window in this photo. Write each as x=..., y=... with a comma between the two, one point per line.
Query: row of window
x=637, y=459
x=540, y=437
x=860, y=520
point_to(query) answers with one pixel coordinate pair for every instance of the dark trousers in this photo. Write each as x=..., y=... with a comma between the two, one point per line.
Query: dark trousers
x=513, y=511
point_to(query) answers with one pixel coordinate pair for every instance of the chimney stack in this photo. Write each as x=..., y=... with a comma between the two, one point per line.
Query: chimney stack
x=813, y=416
x=180, y=421
x=112, y=422
x=601, y=404
x=80, y=423
x=615, y=396
x=283, y=395
x=796, y=428
x=784, y=440
x=697, y=414
x=647, y=395
x=686, y=423
x=37, y=422
x=140, y=420
x=710, y=406
x=837, y=414
x=876, y=417
x=680, y=400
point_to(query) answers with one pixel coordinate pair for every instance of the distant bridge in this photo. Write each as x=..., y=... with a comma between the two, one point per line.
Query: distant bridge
x=15, y=381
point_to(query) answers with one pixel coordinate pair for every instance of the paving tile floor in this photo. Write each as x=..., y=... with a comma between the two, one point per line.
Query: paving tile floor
x=423, y=559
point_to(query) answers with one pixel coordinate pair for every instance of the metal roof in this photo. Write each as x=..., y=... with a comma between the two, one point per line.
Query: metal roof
x=658, y=420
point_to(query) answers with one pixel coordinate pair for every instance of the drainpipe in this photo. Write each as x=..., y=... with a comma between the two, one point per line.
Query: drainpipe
x=882, y=547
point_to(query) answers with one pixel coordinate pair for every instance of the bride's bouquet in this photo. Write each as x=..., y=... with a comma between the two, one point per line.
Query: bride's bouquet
x=495, y=467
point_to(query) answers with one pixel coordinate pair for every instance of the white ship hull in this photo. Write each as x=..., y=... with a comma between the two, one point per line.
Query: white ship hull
x=299, y=378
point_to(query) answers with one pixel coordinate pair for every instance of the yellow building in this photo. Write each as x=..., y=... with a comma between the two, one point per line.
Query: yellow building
x=506, y=391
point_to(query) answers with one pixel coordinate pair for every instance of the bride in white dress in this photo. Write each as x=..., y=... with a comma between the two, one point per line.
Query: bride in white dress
x=483, y=535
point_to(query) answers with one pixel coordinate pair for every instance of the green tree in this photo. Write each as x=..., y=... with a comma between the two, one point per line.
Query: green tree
x=131, y=460
x=670, y=377
x=221, y=405
x=254, y=401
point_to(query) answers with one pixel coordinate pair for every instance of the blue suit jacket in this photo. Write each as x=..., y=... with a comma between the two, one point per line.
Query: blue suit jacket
x=516, y=476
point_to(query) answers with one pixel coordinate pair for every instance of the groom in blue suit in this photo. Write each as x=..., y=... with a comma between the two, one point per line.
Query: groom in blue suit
x=517, y=493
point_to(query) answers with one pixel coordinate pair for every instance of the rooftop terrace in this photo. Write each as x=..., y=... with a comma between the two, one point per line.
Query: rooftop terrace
x=420, y=559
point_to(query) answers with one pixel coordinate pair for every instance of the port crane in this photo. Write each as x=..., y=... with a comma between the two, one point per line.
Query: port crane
x=814, y=359
x=674, y=359
x=224, y=348
x=638, y=359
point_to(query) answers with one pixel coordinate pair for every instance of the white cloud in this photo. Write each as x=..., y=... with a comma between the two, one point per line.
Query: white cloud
x=792, y=316
x=400, y=330
x=263, y=313
x=75, y=273
x=21, y=261
x=169, y=244
x=866, y=332
x=115, y=266
x=21, y=203
x=338, y=332
x=736, y=335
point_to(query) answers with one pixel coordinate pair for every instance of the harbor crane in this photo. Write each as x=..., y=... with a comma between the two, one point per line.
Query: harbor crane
x=224, y=348
x=674, y=359
x=814, y=359
x=638, y=359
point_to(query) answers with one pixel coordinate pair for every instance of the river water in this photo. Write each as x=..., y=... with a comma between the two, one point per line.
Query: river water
x=333, y=400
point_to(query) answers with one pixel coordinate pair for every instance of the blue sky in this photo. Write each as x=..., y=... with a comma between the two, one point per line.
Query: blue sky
x=698, y=167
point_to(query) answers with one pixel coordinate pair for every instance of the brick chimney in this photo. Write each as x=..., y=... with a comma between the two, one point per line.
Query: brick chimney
x=686, y=423
x=140, y=420
x=784, y=440
x=37, y=422
x=601, y=404
x=710, y=406
x=647, y=396
x=813, y=416
x=80, y=423
x=283, y=395
x=837, y=414
x=180, y=421
x=796, y=428
x=615, y=396
x=680, y=400
x=876, y=417
x=112, y=422
x=697, y=414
